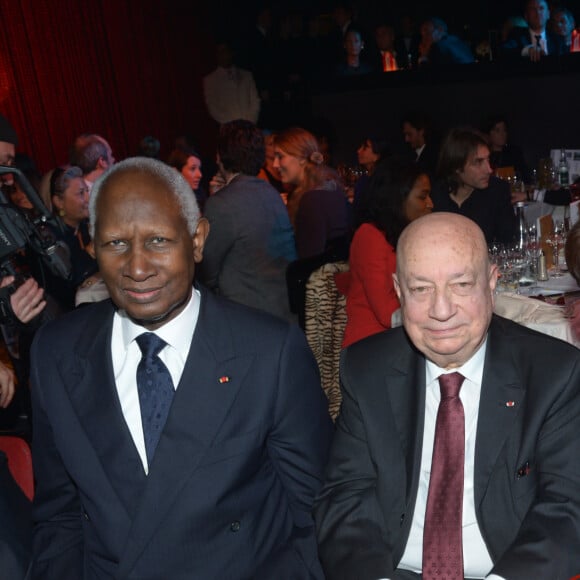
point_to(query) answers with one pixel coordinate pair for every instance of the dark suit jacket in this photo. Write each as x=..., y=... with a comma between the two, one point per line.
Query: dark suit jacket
x=249, y=247
x=527, y=475
x=450, y=50
x=230, y=489
x=519, y=38
x=490, y=208
x=15, y=526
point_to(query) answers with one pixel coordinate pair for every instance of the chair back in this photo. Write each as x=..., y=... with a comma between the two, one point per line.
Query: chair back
x=19, y=457
x=325, y=321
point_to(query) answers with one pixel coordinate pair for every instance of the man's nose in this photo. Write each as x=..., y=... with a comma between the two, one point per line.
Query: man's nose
x=138, y=265
x=442, y=306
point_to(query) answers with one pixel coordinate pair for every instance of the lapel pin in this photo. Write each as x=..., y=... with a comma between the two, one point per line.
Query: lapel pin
x=224, y=379
x=510, y=404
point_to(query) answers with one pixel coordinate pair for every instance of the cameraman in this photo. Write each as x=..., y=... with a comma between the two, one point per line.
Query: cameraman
x=20, y=307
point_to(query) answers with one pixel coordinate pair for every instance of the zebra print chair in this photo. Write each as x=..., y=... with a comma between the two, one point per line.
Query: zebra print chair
x=325, y=320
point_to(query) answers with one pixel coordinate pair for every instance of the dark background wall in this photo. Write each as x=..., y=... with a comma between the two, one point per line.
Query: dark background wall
x=540, y=102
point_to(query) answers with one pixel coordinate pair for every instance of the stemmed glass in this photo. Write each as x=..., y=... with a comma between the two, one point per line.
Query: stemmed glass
x=557, y=240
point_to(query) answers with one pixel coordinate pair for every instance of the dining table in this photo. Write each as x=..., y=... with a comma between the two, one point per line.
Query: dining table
x=543, y=306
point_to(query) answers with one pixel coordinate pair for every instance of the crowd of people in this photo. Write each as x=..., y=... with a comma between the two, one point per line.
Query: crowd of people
x=178, y=425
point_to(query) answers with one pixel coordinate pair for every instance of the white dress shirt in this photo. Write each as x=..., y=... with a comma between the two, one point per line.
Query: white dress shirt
x=543, y=42
x=476, y=559
x=177, y=333
x=231, y=93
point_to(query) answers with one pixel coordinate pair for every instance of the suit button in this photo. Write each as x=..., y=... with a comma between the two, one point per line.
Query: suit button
x=235, y=526
x=402, y=519
x=86, y=515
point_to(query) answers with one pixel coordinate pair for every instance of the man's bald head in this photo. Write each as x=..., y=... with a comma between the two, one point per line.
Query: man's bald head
x=445, y=284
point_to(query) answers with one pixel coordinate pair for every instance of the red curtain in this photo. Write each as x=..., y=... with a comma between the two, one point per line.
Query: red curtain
x=120, y=68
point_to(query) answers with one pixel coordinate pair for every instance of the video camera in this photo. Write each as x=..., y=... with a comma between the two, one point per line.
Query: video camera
x=35, y=230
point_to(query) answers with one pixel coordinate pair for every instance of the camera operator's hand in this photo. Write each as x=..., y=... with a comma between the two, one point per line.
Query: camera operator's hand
x=27, y=300
x=7, y=383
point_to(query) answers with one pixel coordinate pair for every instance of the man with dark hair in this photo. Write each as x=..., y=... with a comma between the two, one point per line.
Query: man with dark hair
x=93, y=154
x=418, y=135
x=252, y=240
x=466, y=185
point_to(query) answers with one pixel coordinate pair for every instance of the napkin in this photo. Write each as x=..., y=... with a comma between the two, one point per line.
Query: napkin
x=527, y=310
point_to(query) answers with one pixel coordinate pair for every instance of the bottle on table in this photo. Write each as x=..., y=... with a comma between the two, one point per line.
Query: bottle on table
x=563, y=170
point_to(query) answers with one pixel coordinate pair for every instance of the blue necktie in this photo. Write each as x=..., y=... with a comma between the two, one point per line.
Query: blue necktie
x=155, y=388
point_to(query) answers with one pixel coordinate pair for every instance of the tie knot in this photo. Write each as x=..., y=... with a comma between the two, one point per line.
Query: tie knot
x=538, y=39
x=150, y=344
x=450, y=384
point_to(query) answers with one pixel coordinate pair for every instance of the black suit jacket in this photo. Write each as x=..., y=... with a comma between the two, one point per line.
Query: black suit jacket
x=230, y=489
x=527, y=475
x=15, y=526
x=519, y=38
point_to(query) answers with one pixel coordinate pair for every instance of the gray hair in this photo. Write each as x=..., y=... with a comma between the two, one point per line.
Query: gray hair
x=62, y=177
x=174, y=181
x=86, y=151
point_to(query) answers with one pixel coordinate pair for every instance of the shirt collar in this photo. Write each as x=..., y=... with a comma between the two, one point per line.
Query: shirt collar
x=472, y=370
x=176, y=333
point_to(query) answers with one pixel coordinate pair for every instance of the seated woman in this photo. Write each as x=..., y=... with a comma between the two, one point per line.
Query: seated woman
x=70, y=202
x=352, y=64
x=371, y=151
x=398, y=193
x=572, y=252
x=188, y=162
x=317, y=204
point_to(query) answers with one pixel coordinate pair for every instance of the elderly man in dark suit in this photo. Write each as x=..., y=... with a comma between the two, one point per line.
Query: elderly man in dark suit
x=252, y=240
x=476, y=477
x=200, y=457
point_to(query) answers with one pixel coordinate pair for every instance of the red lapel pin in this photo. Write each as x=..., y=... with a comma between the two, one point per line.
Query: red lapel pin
x=224, y=379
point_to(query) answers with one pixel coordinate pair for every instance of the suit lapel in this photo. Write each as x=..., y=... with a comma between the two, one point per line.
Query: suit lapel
x=201, y=404
x=502, y=397
x=93, y=394
x=406, y=389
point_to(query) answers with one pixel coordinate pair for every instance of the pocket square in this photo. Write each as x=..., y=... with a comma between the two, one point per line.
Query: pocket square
x=523, y=470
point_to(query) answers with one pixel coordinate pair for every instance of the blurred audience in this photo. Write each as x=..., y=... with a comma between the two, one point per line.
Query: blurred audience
x=535, y=41
x=317, y=204
x=439, y=48
x=352, y=64
x=466, y=185
x=230, y=92
x=70, y=202
x=562, y=23
x=503, y=152
x=421, y=140
x=251, y=241
x=93, y=154
x=398, y=193
x=187, y=161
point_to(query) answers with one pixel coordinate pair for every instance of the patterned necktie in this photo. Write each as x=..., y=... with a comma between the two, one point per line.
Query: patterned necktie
x=442, y=536
x=155, y=388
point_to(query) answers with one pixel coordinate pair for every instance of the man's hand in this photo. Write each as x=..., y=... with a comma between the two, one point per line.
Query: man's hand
x=27, y=301
x=7, y=384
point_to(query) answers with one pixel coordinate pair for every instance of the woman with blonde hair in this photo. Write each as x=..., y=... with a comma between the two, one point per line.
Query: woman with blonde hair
x=317, y=204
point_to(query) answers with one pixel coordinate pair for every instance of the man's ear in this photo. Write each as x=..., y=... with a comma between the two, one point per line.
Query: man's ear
x=199, y=238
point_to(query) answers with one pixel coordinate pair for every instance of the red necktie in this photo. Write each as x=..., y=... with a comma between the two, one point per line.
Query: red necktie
x=442, y=537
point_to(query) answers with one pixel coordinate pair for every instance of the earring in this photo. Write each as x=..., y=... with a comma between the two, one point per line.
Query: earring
x=61, y=213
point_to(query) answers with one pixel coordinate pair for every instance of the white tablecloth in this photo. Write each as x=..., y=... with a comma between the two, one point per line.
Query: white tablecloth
x=533, y=313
